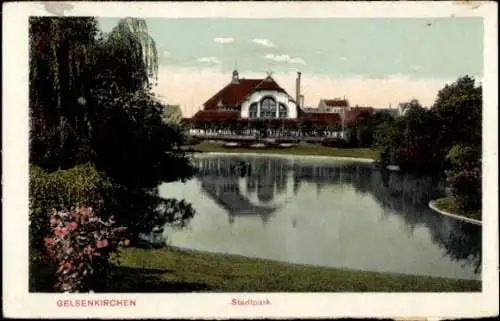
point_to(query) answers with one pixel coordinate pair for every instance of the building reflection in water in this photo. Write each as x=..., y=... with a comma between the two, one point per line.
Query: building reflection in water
x=246, y=186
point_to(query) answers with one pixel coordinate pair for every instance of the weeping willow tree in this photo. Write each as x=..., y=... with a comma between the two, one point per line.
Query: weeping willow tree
x=72, y=66
x=61, y=58
x=129, y=56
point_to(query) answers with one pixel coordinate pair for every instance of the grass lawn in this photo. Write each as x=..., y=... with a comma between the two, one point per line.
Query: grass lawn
x=315, y=150
x=448, y=204
x=174, y=270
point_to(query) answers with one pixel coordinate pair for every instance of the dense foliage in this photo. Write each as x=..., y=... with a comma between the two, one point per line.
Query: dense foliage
x=81, y=185
x=447, y=138
x=362, y=132
x=91, y=102
x=464, y=177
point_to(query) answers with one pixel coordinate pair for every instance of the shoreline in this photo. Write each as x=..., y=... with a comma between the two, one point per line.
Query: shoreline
x=455, y=216
x=318, y=157
x=246, y=274
x=181, y=249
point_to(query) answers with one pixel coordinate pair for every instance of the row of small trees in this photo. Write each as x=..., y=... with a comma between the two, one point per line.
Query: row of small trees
x=98, y=139
x=443, y=139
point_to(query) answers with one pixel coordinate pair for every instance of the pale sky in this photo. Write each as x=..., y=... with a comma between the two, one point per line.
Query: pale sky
x=370, y=61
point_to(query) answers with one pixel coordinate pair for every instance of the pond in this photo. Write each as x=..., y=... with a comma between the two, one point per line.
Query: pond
x=323, y=212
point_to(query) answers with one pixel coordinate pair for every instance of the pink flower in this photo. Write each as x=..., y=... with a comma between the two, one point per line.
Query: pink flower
x=55, y=220
x=87, y=249
x=102, y=243
x=65, y=268
x=60, y=231
x=49, y=242
x=72, y=226
x=126, y=242
x=66, y=286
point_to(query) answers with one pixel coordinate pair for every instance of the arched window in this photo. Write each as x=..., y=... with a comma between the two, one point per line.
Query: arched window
x=268, y=108
x=252, y=111
x=283, y=113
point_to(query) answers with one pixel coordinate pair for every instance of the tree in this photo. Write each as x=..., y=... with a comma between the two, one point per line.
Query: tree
x=409, y=141
x=128, y=56
x=363, y=132
x=173, y=114
x=459, y=107
x=60, y=70
x=421, y=138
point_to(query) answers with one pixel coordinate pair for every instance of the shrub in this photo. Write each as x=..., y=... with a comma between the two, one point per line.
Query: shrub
x=82, y=185
x=80, y=246
x=333, y=142
x=190, y=140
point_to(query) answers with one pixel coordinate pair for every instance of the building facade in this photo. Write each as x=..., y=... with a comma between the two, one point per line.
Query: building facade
x=337, y=105
x=250, y=101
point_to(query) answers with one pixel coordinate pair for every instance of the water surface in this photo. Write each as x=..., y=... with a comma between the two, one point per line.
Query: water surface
x=333, y=213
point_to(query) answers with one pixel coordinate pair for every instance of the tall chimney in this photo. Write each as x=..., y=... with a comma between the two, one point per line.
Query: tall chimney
x=297, y=90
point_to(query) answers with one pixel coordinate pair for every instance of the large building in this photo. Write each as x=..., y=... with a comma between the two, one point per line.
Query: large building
x=258, y=99
x=248, y=100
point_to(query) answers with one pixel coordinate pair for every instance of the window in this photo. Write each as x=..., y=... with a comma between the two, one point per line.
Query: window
x=268, y=108
x=252, y=111
x=283, y=111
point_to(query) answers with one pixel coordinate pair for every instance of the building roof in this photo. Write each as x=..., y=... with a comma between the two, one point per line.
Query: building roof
x=269, y=84
x=336, y=102
x=216, y=116
x=234, y=94
x=321, y=118
x=353, y=113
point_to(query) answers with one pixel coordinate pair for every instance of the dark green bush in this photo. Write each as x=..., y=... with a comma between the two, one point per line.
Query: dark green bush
x=465, y=177
x=190, y=140
x=333, y=142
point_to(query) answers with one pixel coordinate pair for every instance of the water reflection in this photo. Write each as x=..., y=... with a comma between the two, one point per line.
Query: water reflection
x=269, y=188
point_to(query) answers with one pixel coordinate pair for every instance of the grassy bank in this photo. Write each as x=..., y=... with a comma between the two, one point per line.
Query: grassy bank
x=173, y=270
x=312, y=150
x=449, y=205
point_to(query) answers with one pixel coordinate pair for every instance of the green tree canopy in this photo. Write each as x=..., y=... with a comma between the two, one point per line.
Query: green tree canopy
x=173, y=114
x=459, y=107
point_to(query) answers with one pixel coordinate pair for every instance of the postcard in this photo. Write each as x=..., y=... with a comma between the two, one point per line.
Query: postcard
x=250, y=159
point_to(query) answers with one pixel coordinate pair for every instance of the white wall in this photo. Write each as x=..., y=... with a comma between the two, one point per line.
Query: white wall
x=322, y=107
x=279, y=97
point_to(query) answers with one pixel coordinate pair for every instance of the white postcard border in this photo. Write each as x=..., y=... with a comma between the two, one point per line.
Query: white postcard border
x=19, y=303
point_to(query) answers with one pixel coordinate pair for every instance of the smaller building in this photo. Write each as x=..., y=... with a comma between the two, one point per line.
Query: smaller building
x=336, y=105
x=354, y=113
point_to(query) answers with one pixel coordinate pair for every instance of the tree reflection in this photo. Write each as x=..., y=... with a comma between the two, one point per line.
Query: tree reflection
x=270, y=179
x=464, y=245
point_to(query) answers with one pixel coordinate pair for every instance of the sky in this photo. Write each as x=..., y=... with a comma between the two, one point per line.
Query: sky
x=371, y=61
